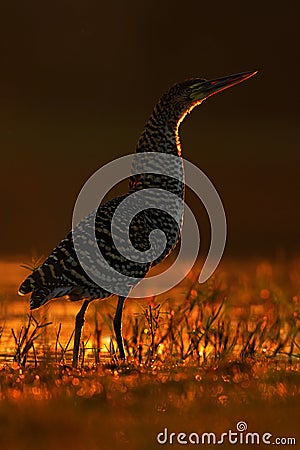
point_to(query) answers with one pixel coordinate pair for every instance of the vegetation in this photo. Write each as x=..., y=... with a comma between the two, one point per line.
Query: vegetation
x=222, y=352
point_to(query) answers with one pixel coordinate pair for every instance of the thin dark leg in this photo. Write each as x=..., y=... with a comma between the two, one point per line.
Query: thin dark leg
x=79, y=321
x=118, y=326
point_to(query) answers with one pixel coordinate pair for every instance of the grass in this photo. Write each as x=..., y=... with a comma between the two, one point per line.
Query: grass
x=213, y=355
x=126, y=407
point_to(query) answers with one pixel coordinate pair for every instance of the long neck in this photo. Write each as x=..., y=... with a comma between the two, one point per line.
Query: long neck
x=161, y=132
x=161, y=136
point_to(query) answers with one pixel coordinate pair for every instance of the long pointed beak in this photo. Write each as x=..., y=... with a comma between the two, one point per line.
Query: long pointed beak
x=212, y=87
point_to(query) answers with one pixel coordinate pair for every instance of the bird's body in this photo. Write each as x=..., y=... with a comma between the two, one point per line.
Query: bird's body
x=62, y=275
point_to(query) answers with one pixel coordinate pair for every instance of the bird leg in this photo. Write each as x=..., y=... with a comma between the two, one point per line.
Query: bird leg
x=79, y=321
x=118, y=326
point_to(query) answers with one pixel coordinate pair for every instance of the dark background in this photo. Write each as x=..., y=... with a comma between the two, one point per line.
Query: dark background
x=78, y=80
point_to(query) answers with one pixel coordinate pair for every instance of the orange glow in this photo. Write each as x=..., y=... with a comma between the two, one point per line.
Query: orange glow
x=265, y=294
x=252, y=294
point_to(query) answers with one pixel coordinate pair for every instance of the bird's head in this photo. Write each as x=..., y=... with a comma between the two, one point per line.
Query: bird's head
x=184, y=96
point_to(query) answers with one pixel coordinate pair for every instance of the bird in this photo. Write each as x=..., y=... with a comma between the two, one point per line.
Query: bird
x=62, y=274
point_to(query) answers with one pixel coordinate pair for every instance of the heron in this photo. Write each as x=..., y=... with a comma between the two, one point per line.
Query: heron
x=62, y=274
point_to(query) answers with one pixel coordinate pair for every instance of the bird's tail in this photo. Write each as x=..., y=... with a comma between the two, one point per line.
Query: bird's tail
x=42, y=291
x=36, y=280
x=27, y=286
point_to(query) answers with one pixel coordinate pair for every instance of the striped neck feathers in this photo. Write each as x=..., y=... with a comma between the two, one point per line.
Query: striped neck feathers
x=161, y=133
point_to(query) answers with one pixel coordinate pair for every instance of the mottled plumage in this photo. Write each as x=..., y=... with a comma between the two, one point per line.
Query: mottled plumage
x=62, y=275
